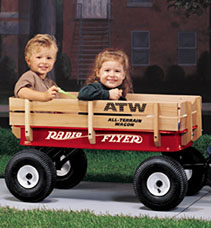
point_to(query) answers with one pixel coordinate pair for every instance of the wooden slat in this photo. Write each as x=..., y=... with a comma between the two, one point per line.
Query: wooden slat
x=56, y=105
x=157, y=139
x=160, y=97
x=189, y=121
x=198, y=131
x=114, y=122
x=16, y=104
x=147, y=97
x=187, y=137
x=47, y=119
x=183, y=110
x=144, y=97
x=75, y=106
x=27, y=121
x=16, y=131
x=91, y=132
x=135, y=108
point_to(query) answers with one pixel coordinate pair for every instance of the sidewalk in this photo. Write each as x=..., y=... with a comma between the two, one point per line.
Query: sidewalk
x=112, y=199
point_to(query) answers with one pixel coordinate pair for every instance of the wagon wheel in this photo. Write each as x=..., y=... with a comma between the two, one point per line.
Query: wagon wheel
x=160, y=183
x=30, y=175
x=197, y=173
x=71, y=166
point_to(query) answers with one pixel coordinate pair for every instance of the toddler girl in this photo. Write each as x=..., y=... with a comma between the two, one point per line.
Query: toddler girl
x=110, y=78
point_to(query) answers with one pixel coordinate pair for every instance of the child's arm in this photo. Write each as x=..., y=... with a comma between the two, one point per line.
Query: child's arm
x=93, y=92
x=33, y=95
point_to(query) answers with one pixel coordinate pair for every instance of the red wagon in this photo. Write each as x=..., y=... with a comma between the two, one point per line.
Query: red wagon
x=57, y=132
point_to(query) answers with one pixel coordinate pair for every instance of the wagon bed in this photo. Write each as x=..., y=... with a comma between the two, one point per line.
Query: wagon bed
x=144, y=122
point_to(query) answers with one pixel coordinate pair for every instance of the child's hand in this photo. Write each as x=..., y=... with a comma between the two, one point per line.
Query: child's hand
x=115, y=94
x=51, y=93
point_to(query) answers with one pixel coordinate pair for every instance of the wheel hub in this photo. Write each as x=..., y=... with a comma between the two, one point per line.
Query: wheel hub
x=188, y=173
x=65, y=169
x=158, y=184
x=28, y=176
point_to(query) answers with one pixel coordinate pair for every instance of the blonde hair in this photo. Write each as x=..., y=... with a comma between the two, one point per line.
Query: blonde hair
x=112, y=54
x=40, y=40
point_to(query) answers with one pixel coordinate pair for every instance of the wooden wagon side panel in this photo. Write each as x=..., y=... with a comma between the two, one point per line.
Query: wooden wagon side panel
x=106, y=114
x=153, y=114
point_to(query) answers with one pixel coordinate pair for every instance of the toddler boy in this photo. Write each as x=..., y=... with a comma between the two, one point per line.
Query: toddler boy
x=40, y=55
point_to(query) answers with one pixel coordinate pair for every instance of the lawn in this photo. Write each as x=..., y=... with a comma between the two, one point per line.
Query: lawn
x=64, y=219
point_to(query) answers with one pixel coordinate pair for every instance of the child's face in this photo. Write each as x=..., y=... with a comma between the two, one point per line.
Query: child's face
x=42, y=60
x=111, y=74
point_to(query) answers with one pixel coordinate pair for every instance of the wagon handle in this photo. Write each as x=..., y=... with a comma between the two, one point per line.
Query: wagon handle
x=66, y=93
x=91, y=132
x=28, y=130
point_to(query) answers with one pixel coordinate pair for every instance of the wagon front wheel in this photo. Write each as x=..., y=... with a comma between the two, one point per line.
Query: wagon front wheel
x=30, y=175
x=160, y=183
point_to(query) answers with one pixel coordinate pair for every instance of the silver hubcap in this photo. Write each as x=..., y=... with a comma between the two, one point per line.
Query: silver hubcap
x=188, y=173
x=28, y=176
x=65, y=168
x=158, y=184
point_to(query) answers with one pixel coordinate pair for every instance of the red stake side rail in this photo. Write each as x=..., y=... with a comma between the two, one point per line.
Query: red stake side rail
x=105, y=139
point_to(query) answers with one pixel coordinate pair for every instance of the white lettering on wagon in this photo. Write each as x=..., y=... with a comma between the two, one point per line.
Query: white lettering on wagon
x=117, y=138
x=61, y=135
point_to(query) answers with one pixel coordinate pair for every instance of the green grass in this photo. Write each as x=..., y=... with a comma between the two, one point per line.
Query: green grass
x=113, y=166
x=64, y=219
x=3, y=162
x=202, y=143
x=8, y=143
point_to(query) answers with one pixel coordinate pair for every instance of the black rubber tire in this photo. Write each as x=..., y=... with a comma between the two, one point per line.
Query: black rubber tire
x=78, y=167
x=40, y=177
x=73, y=171
x=197, y=177
x=160, y=183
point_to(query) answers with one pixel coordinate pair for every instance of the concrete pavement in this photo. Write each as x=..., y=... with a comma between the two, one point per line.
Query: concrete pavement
x=112, y=199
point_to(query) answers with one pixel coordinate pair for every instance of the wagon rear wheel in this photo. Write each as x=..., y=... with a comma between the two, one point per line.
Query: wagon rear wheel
x=71, y=166
x=196, y=173
x=30, y=175
x=74, y=169
x=160, y=183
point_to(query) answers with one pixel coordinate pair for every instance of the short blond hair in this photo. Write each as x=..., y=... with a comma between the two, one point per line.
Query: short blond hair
x=40, y=40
